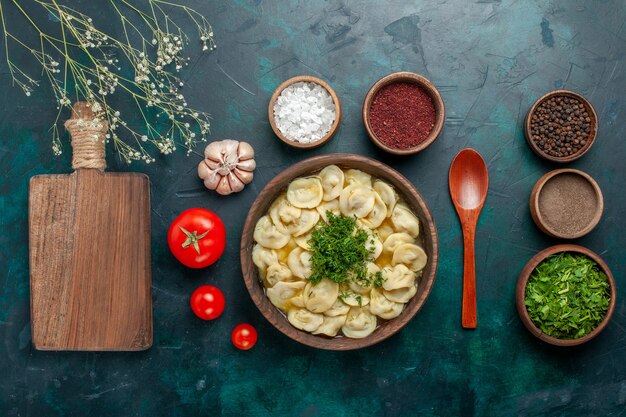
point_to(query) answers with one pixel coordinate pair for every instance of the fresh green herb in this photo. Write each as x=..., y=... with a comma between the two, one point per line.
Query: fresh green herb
x=339, y=251
x=567, y=296
x=359, y=300
x=343, y=294
x=379, y=279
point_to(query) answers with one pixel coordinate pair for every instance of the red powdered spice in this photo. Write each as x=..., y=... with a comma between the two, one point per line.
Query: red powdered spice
x=402, y=115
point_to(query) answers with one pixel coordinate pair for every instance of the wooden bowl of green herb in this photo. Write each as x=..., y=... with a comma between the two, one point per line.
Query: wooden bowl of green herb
x=565, y=295
x=407, y=193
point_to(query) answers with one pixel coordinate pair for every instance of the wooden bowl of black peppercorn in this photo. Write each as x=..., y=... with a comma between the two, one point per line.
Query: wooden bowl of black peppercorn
x=561, y=126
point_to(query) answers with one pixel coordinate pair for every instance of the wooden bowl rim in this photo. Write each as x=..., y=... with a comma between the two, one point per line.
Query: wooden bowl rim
x=428, y=86
x=592, y=135
x=520, y=293
x=298, y=79
x=271, y=191
x=536, y=213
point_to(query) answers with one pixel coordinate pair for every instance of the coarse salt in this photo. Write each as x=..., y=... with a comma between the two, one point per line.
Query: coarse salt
x=304, y=112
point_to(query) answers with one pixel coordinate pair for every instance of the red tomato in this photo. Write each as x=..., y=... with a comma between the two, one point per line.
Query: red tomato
x=197, y=237
x=207, y=302
x=244, y=336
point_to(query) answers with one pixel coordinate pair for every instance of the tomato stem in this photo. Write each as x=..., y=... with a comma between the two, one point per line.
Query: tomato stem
x=192, y=238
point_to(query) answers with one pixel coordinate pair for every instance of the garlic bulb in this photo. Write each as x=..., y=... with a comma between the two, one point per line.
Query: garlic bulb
x=228, y=166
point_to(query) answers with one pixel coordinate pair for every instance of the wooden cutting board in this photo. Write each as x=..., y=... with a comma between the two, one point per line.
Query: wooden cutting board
x=90, y=275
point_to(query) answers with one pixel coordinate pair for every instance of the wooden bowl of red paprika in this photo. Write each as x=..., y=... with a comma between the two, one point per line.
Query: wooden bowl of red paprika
x=403, y=113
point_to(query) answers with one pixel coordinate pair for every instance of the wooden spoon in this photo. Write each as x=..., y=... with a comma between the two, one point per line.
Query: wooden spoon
x=468, y=181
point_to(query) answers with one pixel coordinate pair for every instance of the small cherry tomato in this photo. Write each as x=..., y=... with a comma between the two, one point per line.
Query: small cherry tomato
x=207, y=302
x=244, y=336
x=197, y=238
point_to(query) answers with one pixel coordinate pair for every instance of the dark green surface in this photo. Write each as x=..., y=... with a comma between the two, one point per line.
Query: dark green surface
x=490, y=59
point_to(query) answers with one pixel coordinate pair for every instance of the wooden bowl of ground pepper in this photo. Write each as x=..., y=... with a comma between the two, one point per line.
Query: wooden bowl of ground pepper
x=561, y=126
x=403, y=113
x=566, y=203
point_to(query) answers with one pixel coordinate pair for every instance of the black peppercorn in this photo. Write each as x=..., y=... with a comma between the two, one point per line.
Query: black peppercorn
x=560, y=126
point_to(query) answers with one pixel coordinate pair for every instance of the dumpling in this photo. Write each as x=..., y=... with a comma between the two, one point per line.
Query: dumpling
x=384, y=231
x=387, y=194
x=307, y=220
x=266, y=234
x=281, y=293
x=303, y=241
x=263, y=257
x=372, y=269
x=378, y=214
x=298, y=300
x=358, y=176
x=321, y=296
x=374, y=245
x=396, y=239
x=332, y=182
x=398, y=276
x=299, y=261
x=332, y=206
x=283, y=214
x=410, y=255
x=339, y=308
x=292, y=220
x=356, y=200
x=383, y=307
x=355, y=300
x=401, y=295
x=277, y=272
x=331, y=325
x=283, y=253
x=305, y=192
x=358, y=289
x=405, y=221
x=360, y=323
x=305, y=320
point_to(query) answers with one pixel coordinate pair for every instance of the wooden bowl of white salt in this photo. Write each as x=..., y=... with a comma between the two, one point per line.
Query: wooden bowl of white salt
x=304, y=112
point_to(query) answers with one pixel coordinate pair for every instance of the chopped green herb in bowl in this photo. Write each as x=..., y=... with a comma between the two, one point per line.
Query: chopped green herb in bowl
x=566, y=296
x=341, y=252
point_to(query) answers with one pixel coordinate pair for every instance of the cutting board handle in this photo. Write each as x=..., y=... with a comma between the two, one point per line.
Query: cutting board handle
x=88, y=129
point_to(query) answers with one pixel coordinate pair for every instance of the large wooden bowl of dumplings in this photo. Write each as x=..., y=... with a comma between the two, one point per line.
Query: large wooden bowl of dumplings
x=309, y=167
